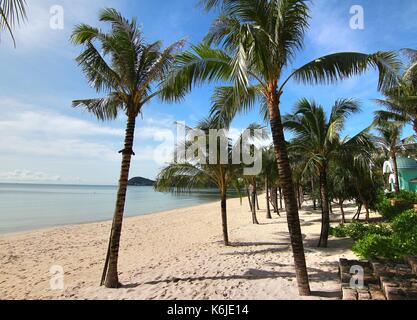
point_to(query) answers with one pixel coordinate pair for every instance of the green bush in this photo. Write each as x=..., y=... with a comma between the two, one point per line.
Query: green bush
x=383, y=204
x=359, y=230
x=401, y=243
x=405, y=234
x=405, y=196
x=374, y=245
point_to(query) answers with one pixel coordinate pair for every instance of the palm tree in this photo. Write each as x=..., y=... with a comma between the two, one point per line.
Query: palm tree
x=401, y=100
x=183, y=174
x=389, y=140
x=340, y=182
x=12, y=13
x=317, y=140
x=269, y=175
x=260, y=39
x=129, y=71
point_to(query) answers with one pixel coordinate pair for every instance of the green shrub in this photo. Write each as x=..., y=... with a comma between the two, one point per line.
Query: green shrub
x=405, y=234
x=374, y=245
x=406, y=196
x=389, y=212
x=359, y=230
x=405, y=222
x=401, y=243
x=339, y=232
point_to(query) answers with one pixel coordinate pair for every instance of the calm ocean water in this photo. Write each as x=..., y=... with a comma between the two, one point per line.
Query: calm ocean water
x=25, y=207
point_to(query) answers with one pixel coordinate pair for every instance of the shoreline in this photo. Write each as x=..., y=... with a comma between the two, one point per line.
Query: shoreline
x=54, y=228
x=175, y=254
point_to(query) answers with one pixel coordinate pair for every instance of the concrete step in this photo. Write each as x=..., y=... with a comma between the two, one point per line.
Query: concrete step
x=371, y=289
x=397, y=280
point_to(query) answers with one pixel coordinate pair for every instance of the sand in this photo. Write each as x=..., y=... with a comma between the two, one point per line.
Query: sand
x=176, y=254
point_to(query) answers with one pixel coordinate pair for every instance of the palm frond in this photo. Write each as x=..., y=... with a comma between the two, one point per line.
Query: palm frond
x=180, y=177
x=193, y=68
x=103, y=108
x=339, y=66
x=12, y=13
x=228, y=101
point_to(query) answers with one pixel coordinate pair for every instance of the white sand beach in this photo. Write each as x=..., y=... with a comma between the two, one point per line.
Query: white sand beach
x=173, y=255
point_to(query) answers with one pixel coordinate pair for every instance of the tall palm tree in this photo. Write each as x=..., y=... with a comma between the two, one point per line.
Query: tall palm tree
x=183, y=174
x=340, y=182
x=389, y=140
x=12, y=13
x=318, y=140
x=401, y=100
x=120, y=64
x=259, y=40
x=269, y=175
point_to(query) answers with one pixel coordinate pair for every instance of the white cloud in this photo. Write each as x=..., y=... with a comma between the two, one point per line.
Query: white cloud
x=35, y=131
x=28, y=176
x=49, y=123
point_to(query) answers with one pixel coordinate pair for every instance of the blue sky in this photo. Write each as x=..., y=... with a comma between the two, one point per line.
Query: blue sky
x=42, y=139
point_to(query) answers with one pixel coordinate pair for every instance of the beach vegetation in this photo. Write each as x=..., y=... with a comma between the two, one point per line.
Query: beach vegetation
x=256, y=41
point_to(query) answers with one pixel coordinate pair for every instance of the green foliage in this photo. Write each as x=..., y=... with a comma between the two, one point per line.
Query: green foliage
x=408, y=197
x=358, y=230
x=405, y=233
x=405, y=199
x=401, y=243
x=374, y=245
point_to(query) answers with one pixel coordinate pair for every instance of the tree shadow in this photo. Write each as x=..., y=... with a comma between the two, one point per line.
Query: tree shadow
x=252, y=253
x=251, y=274
x=256, y=244
x=334, y=245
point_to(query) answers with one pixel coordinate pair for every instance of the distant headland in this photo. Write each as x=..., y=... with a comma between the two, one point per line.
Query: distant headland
x=141, y=182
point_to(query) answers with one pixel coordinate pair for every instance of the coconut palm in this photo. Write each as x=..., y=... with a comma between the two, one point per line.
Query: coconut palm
x=341, y=184
x=318, y=140
x=389, y=140
x=12, y=13
x=259, y=40
x=269, y=174
x=184, y=174
x=401, y=101
x=120, y=64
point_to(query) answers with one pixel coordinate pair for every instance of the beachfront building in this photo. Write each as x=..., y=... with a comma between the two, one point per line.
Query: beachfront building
x=407, y=173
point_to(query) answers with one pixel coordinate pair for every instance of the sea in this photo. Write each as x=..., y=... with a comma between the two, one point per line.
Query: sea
x=27, y=207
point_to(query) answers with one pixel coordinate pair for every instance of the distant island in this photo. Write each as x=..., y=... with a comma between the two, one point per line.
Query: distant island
x=141, y=182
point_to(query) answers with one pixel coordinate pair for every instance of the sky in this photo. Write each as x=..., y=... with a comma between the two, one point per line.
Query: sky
x=44, y=140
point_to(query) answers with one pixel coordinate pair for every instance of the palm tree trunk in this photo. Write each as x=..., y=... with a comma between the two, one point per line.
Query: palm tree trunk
x=312, y=195
x=257, y=201
x=249, y=199
x=224, y=217
x=280, y=200
x=254, y=218
x=300, y=204
x=274, y=199
x=268, y=206
x=358, y=212
x=286, y=179
x=110, y=274
x=342, y=209
x=281, y=206
x=397, y=179
x=367, y=212
x=325, y=226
